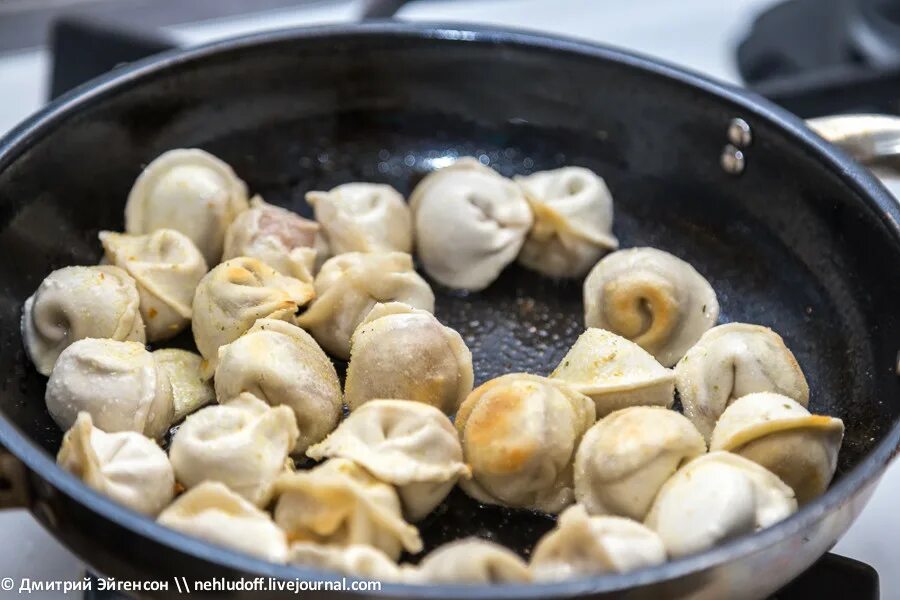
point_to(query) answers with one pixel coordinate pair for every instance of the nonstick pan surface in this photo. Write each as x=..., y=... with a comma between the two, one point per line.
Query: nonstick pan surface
x=803, y=241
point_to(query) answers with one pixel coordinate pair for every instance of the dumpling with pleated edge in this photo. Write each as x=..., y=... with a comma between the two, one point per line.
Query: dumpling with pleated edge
x=74, y=303
x=190, y=390
x=126, y=466
x=189, y=190
x=358, y=560
x=410, y=445
x=781, y=435
x=468, y=561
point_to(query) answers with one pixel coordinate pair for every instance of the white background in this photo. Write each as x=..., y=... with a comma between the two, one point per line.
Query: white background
x=700, y=34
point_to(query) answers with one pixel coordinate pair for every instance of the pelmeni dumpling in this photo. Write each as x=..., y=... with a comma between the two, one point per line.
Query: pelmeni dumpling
x=716, y=497
x=349, y=285
x=731, y=361
x=780, y=434
x=583, y=545
x=519, y=433
x=213, y=512
x=167, y=267
x=74, y=303
x=358, y=560
x=615, y=373
x=242, y=444
x=281, y=364
x=237, y=293
x=190, y=390
x=191, y=191
x=408, y=444
x=469, y=560
x=117, y=383
x=340, y=503
x=627, y=456
x=652, y=298
x=401, y=352
x=470, y=222
x=278, y=237
x=363, y=217
x=126, y=466
x=573, y=215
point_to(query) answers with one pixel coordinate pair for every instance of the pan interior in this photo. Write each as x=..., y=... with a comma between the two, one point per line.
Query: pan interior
x=788, y=244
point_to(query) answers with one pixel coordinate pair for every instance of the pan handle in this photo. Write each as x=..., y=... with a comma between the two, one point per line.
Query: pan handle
x=872, y=139
x=13, y=481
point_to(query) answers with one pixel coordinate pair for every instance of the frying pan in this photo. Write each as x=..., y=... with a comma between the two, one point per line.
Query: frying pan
x=790, y=231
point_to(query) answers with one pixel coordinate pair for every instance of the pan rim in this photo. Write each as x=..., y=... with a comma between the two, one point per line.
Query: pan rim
x=856, y=177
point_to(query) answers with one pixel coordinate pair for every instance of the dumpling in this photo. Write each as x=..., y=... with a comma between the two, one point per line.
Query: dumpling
x=281, y=364
x=237, y=293
x=573, y=215
x=410, y=445
x=519, y=433
x=242, y=444
x=190, y=390
x=583, y=545
x=363, y=217
x=278, y=237
x=652, y=298
x=341, y=504
x=469, y=560
x=626, y=457
x=778, y=433
x=211, y=511
x=117, y=383
x=401, y=352
x=716, y=497
x=356, y=561
x=126, y=466
x=74, y=303
x=167, y=267
x=731, y=361
x=191, y=191
x=615, y=373
x=349, y=285
x=470, y=222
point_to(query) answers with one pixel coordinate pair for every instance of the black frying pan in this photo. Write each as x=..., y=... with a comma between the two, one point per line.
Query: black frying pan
x=803, y=240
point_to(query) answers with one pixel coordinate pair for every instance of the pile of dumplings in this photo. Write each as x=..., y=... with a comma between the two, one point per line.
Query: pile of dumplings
x=271, y=298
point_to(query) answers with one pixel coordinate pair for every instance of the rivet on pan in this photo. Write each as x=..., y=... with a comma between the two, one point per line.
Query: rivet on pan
x=739, y=133
x=732, y=160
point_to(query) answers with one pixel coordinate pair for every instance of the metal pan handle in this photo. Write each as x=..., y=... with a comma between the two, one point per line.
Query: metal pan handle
x=873, y=140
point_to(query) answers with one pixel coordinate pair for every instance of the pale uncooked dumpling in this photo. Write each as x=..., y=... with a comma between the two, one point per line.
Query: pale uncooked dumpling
x=716, y=497
x=243, y=444
x=651, y=297
x=339, y=503
x=211, y=511
x=167, y=266
x=190, y=389
x=281, y=364
x=237, y=293
x=74, y=303
x=731, y=361
x=118, y=383
x=627, y=456
x=469, y=561
x=358, y=560
x=126, y=466
x=410, y=445
x=519, y=434
x=349, y=285
x=470, y=222
x=778, y=433
x=583, y=545
x=363, y=217
x=573, y=216
x=402, y=352
x=278, y=237
x=191, y=191
x=615, y=373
